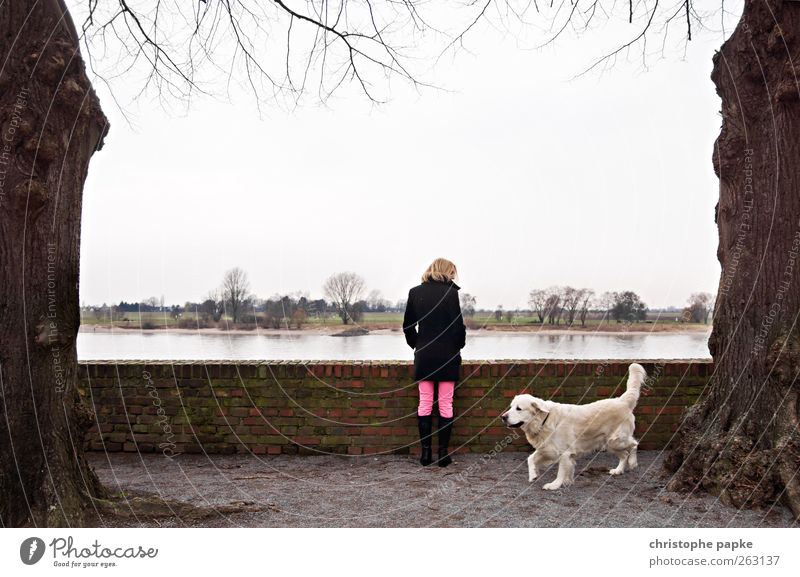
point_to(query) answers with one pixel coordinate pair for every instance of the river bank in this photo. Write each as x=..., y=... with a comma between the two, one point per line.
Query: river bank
x=640, y=328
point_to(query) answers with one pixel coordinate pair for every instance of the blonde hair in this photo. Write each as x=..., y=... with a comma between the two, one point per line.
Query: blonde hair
x=441, y=269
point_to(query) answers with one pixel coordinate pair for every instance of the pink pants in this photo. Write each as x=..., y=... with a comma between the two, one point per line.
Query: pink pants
x=446, y=389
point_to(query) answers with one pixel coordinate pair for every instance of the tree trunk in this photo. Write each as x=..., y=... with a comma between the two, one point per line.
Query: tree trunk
x=741, y=441
x=51, y=124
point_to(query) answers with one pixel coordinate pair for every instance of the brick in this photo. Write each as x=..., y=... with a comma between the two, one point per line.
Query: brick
x=216, y=408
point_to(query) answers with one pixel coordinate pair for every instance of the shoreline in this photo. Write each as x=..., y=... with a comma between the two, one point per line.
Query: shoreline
x=644, y=329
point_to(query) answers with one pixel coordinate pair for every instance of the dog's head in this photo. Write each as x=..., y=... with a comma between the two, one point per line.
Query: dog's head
x=525, y=409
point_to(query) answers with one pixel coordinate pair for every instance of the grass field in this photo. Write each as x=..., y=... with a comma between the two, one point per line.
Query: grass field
x=519, y=321
x=132, y=318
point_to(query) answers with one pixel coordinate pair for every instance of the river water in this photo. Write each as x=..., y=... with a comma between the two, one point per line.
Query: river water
x=125, y=345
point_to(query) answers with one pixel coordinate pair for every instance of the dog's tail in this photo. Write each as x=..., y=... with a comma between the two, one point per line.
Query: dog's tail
x=636, y=377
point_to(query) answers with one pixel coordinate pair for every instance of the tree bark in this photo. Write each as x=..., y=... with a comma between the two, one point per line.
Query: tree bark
x=50, y=125
x=741, y=441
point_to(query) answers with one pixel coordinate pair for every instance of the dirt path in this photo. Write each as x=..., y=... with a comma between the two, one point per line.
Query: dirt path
x=394, y=491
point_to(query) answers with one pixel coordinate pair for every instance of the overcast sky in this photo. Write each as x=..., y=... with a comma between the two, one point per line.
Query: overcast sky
x=521, y=174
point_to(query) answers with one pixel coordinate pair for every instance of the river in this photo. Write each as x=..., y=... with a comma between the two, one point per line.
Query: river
x=482, y=345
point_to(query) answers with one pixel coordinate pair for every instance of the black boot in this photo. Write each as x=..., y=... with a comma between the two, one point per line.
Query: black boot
x=445, y=427
x=425, y=423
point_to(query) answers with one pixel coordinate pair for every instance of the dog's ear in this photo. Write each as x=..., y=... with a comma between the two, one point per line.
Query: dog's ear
x=539, y=405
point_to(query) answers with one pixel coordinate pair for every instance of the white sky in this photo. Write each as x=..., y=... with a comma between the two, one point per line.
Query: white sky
x=520, y=174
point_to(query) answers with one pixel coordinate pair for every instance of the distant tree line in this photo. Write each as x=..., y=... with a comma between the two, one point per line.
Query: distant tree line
x=233, y=303
x=555, y=303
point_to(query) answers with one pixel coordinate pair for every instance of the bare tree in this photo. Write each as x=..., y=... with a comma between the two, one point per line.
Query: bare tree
x=468, y=303
x=606, y=303
x=585, y=304
x=553, y=305
x=376, y=302
x=344, y=290
x=213, y=305
x=571, y=299
x=235, y=292
x=152, y=302
x=537, y=300
x=699, y=308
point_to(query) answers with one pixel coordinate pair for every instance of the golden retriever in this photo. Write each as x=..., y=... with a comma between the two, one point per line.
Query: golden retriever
x=560, y=432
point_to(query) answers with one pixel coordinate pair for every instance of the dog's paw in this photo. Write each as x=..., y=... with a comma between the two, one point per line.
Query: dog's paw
x=616, y=471
x=552, y=486
x=532, y=477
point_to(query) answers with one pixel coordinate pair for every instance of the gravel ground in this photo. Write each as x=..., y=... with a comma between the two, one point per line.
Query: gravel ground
x=394, y=491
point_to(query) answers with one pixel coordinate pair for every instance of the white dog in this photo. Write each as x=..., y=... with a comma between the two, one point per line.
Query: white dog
x=560, y=432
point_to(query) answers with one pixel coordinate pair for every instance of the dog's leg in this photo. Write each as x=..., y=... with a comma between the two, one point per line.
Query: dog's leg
x=539, y=461
x=623, y=448
x=620, y=468
x=532, y=474
x=566, y=472
x=569, y=473
x=632, y=461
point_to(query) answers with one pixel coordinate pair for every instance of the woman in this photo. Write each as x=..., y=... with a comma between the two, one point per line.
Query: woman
x=434, y=307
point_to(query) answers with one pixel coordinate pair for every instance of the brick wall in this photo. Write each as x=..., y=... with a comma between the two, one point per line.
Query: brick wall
x=350, y=407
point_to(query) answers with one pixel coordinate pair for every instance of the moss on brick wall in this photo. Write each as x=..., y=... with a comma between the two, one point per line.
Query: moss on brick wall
x=350, y=407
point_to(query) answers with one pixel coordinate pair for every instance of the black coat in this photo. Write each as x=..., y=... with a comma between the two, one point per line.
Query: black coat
x=434, y=307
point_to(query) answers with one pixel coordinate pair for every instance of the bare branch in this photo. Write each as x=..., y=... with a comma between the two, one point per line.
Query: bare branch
x=181, y=48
